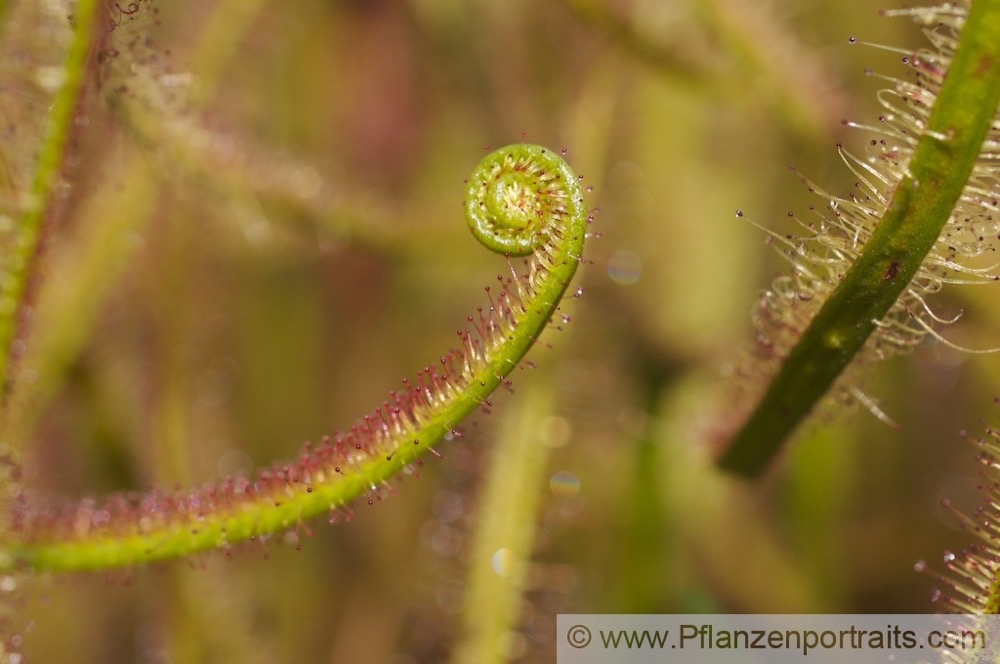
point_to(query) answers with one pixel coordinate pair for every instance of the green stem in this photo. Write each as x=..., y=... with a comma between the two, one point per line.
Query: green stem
x=793, y=86
x=543, y=196
x=674, y=63
x=80, y=272
x=60, y=119
x=922, y=203
x=643, y=578
x=756, y=44
x=83, y=270
x=501, y=554
x=222, y=34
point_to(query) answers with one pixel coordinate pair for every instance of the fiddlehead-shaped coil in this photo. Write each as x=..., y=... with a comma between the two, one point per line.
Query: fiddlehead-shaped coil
x=131, y=529
x=517, y=195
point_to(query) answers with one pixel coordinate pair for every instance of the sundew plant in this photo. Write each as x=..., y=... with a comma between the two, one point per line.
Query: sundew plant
x=387, y=331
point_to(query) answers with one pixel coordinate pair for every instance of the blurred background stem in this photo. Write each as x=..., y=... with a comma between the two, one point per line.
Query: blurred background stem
x=501, y=554
x=58, y=126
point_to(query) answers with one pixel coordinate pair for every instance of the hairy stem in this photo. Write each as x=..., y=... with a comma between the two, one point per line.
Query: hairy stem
x=50, y=157
x=523, y=186
x=921, y=205
x=68, y=303
x=82, y=272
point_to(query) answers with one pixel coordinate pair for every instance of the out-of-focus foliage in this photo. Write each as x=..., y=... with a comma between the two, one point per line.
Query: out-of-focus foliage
x=271, y=238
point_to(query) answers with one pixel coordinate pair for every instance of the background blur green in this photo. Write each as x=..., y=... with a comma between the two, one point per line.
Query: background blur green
x=277, y=280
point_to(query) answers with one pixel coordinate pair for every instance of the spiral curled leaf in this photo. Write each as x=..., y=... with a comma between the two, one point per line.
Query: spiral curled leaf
x=131, y=529
x=517, y=194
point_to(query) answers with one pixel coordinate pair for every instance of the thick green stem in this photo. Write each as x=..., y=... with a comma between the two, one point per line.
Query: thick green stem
x=922, y=203
x=50, y=158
